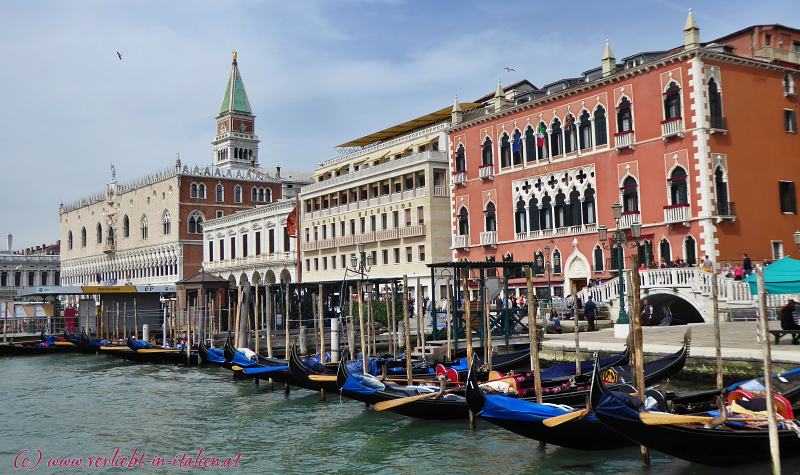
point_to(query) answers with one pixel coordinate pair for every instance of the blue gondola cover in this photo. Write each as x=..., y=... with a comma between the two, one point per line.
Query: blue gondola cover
x=359, y=384
x=265, y=369
x=511, y=409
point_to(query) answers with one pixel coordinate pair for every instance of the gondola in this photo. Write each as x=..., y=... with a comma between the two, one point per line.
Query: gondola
x=526, y=418
x=453, y=406
x=257, y=367
x=726, y=445
x=371, y=390
x=48, y=346
x=301, y=371
x=141, y=351
x=787, y=384
x=503, y=362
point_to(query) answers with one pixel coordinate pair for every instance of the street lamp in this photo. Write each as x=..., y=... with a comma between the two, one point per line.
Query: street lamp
x=618, y=242
x=543, y=262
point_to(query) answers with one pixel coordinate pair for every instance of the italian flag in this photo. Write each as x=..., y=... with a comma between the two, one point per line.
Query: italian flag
x=540, y=133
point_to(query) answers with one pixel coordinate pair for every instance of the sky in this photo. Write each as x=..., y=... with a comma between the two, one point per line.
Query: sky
x=318, y=73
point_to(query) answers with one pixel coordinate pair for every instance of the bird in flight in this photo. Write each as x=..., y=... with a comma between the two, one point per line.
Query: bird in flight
x=120, y=55
x=509, y=69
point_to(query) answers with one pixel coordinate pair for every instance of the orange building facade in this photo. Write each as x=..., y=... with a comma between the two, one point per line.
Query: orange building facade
x=698, y=144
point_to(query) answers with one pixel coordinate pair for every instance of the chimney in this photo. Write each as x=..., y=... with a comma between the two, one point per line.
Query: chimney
x=691, y=33
x=608, y=60
x=9, y=239
x=277, y=172
x=457, y=115
x=499, y=97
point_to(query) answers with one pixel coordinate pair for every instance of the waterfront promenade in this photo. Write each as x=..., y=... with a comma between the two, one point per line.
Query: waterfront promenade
x=738, y=342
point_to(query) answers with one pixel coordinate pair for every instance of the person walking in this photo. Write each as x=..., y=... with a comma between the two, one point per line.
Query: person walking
x=590, y=312
x=747, y=265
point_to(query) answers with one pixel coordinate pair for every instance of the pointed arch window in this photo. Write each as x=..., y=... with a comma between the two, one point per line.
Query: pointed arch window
x=665, y=251
x=546, y=213
x=530, y=144
x=220, y=193
x=201, y=190
x=533, y=213
x=630, y=195
x=690, y=251
x=600, y=129
x=678, y=192
x=589, y=216
x=195, y=222
x=143, y=228
x=585, y=131
x=110, y=235
x=539, y=263
x=166, y=222
x=520, y=221
x=516, y=148
x=461, y=160
x=672, y=102
x=715, y=105
x=490, y=217
x=645, y=250
x=598, y=259
x=556, y=139
x=624, y=117
x=575, y=211
x=268, y=195
x=83, y=236
x=724, y=206
x=193, y=190
x=253, y=194
x=69, y=240
x=486, y=152
x=570, y=134
x=560, y=210
x=505, y=151
x=126, y=226
x=99, y=232
x=556, y=262
x=237, y=194
x=542, y=141
x=463, y=222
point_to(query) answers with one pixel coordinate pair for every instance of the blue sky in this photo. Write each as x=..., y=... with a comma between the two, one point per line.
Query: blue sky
x=318, y=73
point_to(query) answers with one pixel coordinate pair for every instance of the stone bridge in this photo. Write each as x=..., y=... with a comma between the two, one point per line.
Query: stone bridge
x=687, y=294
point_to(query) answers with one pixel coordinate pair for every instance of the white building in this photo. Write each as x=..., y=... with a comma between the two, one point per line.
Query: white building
x=30, y=267
x=252, y=246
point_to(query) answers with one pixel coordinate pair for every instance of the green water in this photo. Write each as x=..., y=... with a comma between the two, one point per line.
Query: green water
x=81, y=406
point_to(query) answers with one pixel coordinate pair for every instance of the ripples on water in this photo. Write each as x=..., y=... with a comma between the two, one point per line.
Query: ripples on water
x=73, y=405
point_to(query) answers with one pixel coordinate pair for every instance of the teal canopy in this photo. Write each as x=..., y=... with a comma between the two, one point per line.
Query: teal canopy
x=780, y=277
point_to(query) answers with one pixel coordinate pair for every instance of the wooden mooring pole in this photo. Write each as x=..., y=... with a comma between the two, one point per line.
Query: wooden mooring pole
x=715, y=315
x=533, y=336
x=361, y=326
x=774, y=443
x=407, y=332
x=638, y=362
x=577, y=330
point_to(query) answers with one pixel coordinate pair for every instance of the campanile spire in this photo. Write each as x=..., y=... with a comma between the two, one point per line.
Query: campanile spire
x=235, y=144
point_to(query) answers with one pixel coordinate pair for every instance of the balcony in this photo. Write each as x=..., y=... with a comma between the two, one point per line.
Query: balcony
x=521, y=236
x=718, y=125
x=441, y=190
x=489, y=238
x=680, y=213
x=412, y=231
x=110, y=247
x=623, y=139
x=772, y=53
x=460, y=241
x=308, y=246
x=365, y=237
x=486, y=172
x=387, y=234
x=671, y=128
x=726, y=211
x=459, y=178
x=628, y=218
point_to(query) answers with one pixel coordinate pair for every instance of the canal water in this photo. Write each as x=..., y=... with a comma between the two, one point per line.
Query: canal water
x=68, y=408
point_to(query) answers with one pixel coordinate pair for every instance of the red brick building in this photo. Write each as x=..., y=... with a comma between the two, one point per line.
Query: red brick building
x=698, y=143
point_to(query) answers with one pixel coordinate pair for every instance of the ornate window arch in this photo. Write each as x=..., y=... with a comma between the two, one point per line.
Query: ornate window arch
x=556, y=139
x=678, y=188
x=220, y=193
x=530, y=144
x=463, y=221
x=672, y=102
x=69, y=240
x=630, y=195
x=516, y=147
x=237, y=194
x=126, y=226
x=690, y=250
x=600, y=127
x=570, y=134
x=624, y=116
x=268, y=195
x=461, y=160
x=505, y=150
x=195, y=222
x=201, y=190
x=144, y=225
x=599, y=259
x=193, y=190
x=486, y=152
x=166, y=222
x=520, y=217
x=585, y=131
x=715, y=105
x=542, y=141
x=556, y=260
x=83, y=236
x=665, y=251
x=490, y=217
x=99, y=231
x=724, y=206
x=253, y=194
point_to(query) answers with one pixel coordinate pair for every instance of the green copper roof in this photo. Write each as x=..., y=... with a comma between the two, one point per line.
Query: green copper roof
x=235, y=98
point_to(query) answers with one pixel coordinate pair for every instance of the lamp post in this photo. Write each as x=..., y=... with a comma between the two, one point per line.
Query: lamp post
x=361, y=264
x=617, y=244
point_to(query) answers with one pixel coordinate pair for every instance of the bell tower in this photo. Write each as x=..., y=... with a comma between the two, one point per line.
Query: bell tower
x=235, y=145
